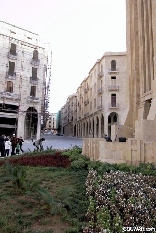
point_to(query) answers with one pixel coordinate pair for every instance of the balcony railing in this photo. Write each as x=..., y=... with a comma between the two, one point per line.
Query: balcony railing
x=113, y=87
x=34, y=80
x=86, y=114
x=99, y=107
x=111, y=70
x=86, y=102
x=86, y=89
x=12, y=56
x=113, y=105
x=35, y=62
x=100, y=74
x=9, y=95
x=100, y=90
x=11, y=75
x=33, y=99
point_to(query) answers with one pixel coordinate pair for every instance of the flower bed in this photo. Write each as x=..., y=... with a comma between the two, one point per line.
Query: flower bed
x=45, y=160
x=120, y=199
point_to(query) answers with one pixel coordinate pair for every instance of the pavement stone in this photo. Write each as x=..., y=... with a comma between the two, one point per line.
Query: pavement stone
x=56, y=142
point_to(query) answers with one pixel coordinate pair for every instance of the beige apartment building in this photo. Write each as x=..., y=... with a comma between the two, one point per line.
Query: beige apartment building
x=68, y=116
x=51, y=122
x=100, y=99
x=24, y=81
x=141, y=64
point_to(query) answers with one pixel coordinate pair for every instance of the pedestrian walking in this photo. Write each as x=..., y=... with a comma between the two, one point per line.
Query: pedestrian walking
x=20, y=140
x=17, y=147
x=7, y=146
x=2, y=145
x=13, y=144
x=38, y=144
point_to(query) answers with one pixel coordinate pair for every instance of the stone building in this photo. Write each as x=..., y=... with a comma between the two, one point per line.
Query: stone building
x=24, y=81
x=141, y=55
x=51, y=122
x=101, y=105
x=68, y=116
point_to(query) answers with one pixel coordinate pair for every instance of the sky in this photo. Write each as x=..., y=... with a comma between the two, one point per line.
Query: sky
x=79, y=31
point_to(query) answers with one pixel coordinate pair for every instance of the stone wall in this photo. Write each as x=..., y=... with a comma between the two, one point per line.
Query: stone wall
x=130, y=152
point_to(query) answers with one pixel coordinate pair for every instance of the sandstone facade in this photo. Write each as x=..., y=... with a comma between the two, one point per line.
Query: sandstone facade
x=99, y=105
x=23, y=81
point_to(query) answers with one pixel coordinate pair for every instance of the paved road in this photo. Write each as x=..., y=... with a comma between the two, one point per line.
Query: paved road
x=57, y=142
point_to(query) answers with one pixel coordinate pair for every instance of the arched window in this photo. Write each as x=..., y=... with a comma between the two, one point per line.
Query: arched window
x=35, y=55
x=113, y=65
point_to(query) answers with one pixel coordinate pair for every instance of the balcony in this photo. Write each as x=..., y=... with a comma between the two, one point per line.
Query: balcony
x=35, y=62
x=12, y=56
x=86, y=114
x=113, y=87
x=113, y=105
x=33, y=99
x=86, y=89
x=86, y=102
x=46, y=97
x=99, y=107
x=100, y=90
x=113, y=71
x=11, y=76
x=100, y=74
x=34, y=80
x=9, y=95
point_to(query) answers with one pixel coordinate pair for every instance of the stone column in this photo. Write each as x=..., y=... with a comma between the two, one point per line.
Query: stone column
x=38, y=135
x=100, y=136
x=20, y=127
x=95, y=128
x=106, y=126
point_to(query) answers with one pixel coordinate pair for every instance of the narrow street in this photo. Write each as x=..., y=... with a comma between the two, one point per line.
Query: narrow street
x=57, y=142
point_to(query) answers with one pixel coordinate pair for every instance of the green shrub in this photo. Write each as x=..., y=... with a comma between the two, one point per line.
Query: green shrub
x=146, y=169
x=79, y=163
x=17, y=174
x=72, y=230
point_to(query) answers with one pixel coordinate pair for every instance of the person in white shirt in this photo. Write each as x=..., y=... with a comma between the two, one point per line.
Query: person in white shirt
x=7, y=146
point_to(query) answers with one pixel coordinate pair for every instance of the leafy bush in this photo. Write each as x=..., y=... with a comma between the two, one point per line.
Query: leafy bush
x=146, y=169
x=79, y=163
x=72, y=230
x=17, y=174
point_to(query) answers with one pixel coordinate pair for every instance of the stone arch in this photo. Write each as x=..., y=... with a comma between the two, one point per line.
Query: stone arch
x=83, y=130
x=102, y=125
x=97, y=126
x=87, y=129
x=74, y=130
x=93, y=131
x=113, y=119
x=90, y=128
x=31, y=120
